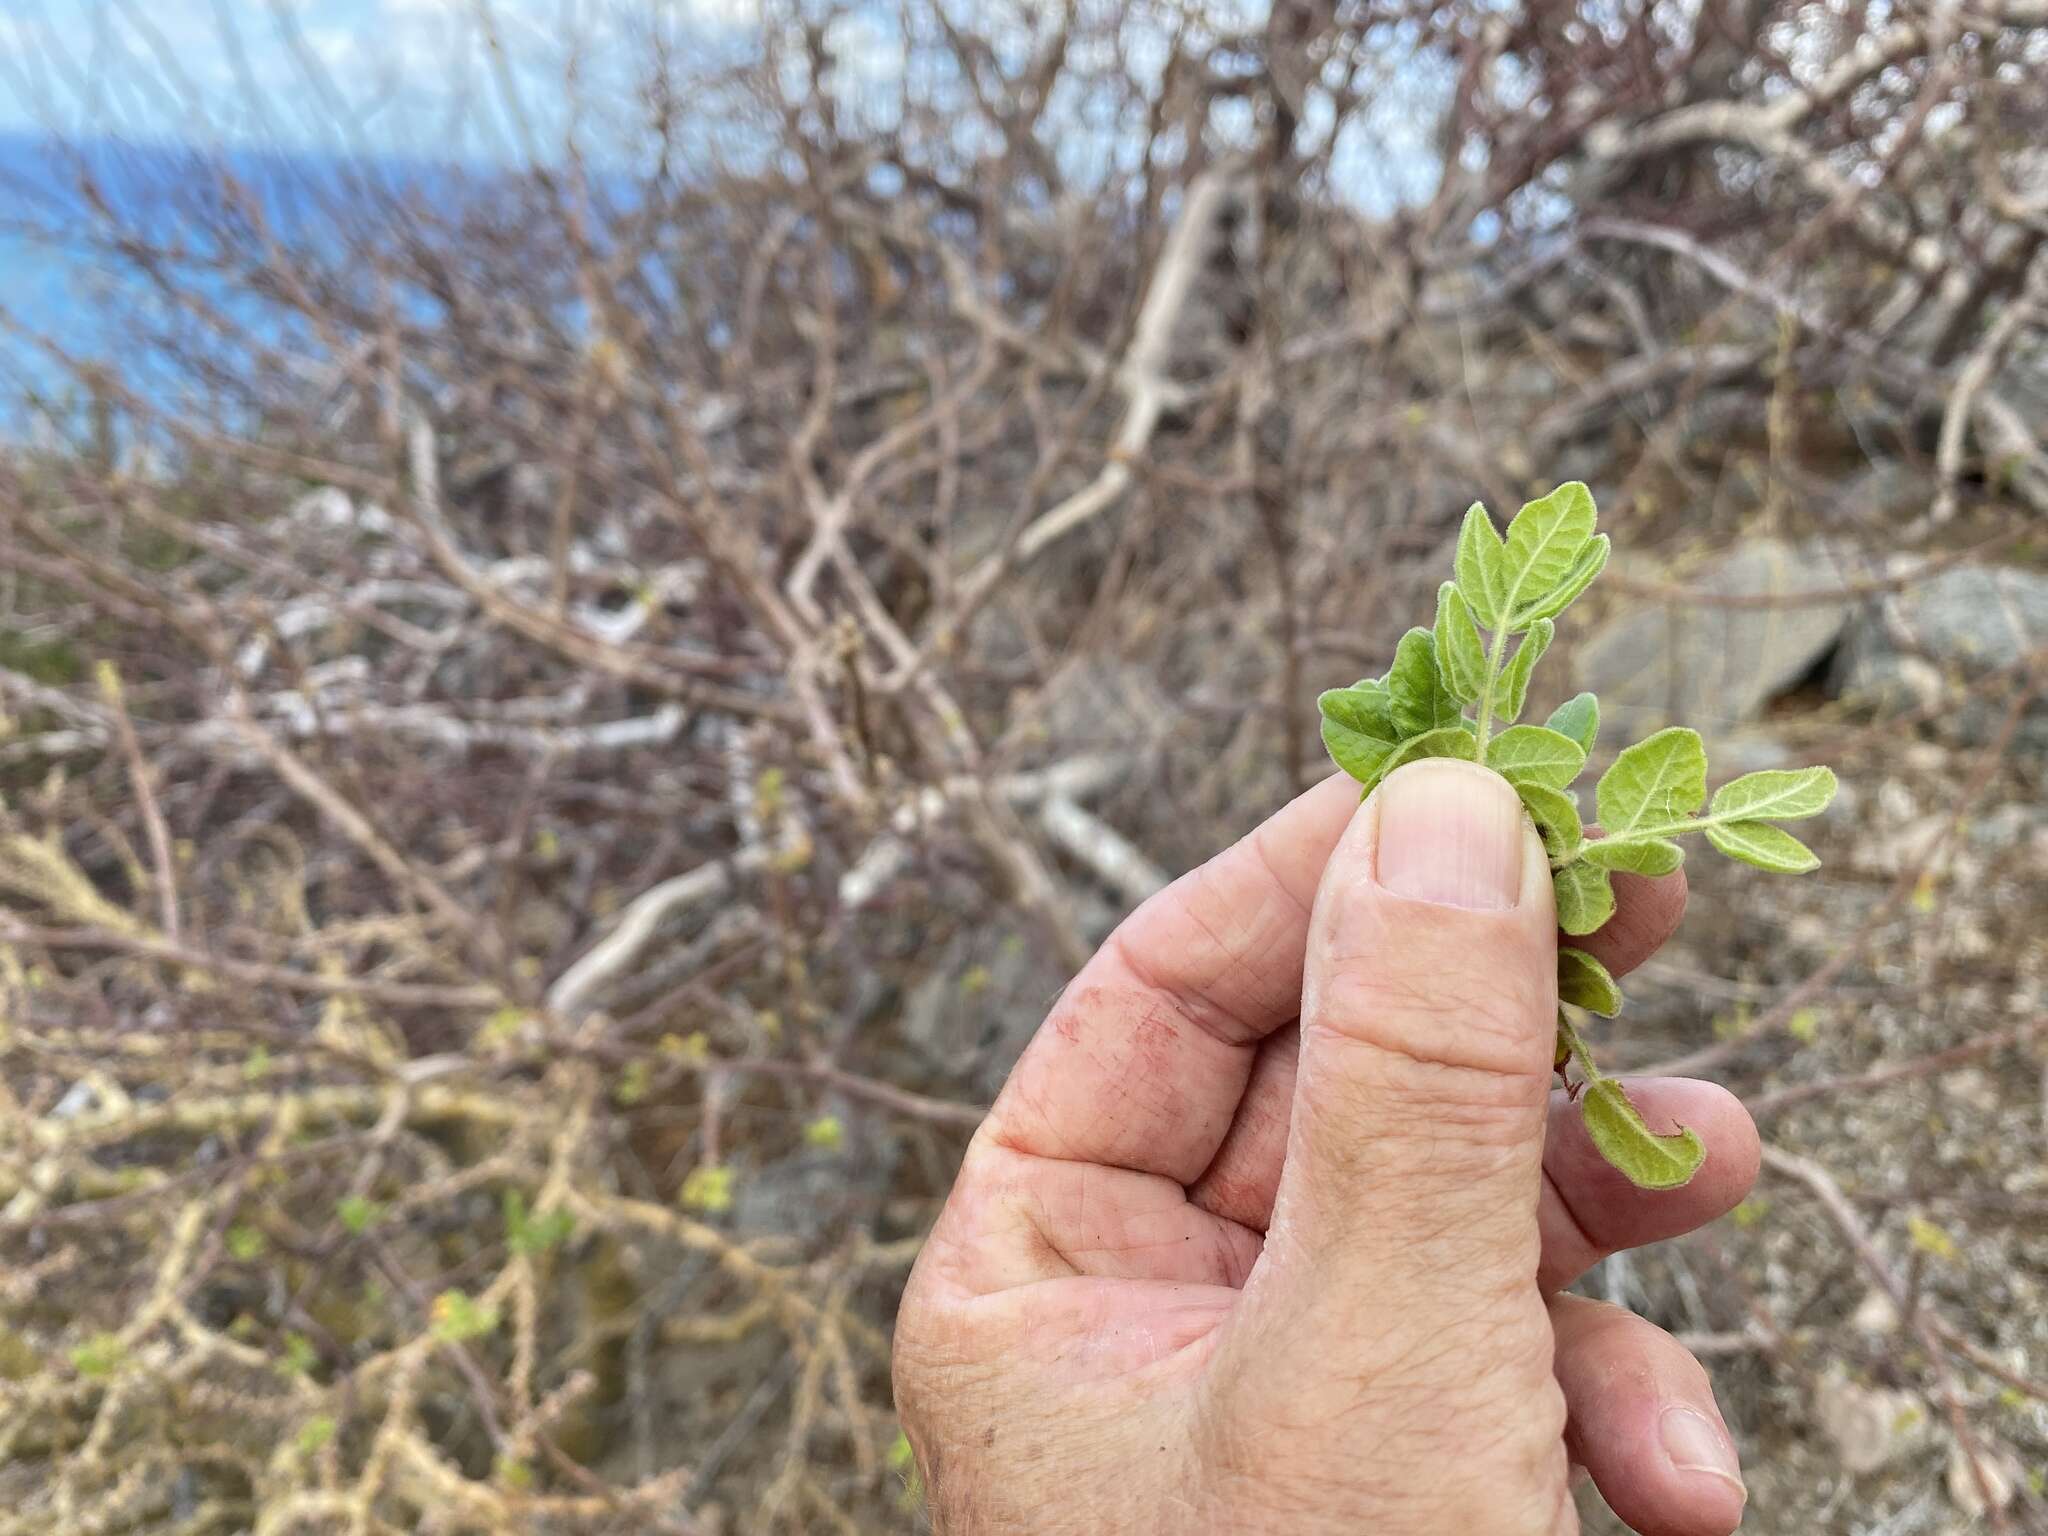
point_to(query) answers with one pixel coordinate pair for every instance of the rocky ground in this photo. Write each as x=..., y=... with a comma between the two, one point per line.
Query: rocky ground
x=1931, y=905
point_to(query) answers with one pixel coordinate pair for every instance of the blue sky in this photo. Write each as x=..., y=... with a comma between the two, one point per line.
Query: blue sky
x=416, y=77
x=392, y=75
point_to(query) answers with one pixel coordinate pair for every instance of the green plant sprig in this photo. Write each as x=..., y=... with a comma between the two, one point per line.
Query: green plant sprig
x=1458, y=690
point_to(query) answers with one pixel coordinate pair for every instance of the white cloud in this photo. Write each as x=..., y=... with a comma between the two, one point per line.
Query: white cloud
x=725, y=15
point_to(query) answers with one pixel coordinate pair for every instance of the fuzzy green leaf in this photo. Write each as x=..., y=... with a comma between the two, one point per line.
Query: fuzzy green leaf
x=1358, y=728
x=1589, y=564
x=1513, y=688
x=1579, y=718
x=1775, y=794
x=1556, y=818
x=1415, y=688
x=1642, y=856
x=1624, y=1138
x=1448, y=741
x=1478, y=566
x=1585, y=983
x=1761, y=844
x=1585, y=897
x=1459, y=654
x=1363, y=707
x=1544, y=545
x=1510, y=589
x=1659, y=780
x=1535, y=754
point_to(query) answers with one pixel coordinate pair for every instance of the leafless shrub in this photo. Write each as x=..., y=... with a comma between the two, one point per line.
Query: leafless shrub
x=580, y=646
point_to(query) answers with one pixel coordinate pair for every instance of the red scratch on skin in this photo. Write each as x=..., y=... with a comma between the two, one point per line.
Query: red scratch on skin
x=1150, y=1039
x=1120, y=1067
x=1111, y=1014
x=1156, y=1036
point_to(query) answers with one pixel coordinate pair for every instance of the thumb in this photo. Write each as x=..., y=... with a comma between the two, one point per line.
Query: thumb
x=1393, y=1313
x=1428, y=1021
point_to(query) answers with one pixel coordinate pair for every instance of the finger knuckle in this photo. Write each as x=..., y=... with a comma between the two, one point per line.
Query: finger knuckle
x=1471, y=1019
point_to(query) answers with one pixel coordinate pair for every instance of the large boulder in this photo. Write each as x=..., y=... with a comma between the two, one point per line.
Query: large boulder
x=1714, y=666
x=1921, y=646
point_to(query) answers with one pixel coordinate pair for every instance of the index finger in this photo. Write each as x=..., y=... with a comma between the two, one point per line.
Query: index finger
x=1143, y=1059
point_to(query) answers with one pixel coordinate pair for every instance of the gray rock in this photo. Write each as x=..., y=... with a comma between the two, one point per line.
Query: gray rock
x=1749, y=751
x=2006, y=826
x=980, y=998
x=1987, y=1480
x=1871, y=1427
x=813, y=1192
x=1912, y=648
x=1709, y=666
x=1889, y=493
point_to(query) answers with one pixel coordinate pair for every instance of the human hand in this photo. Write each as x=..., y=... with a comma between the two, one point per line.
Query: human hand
x=1204, y=1271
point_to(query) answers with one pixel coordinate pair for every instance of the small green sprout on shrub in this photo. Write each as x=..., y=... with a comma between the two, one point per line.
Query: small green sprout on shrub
x=358, y=1213
x=458, y=1317
x=99, y=1356
x=1458, y=690
x=299, y=1356
x=314, y=1434
x=707, y=1188
x=531, y=1234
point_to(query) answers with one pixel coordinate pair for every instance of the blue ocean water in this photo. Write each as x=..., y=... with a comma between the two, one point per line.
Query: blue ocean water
x=69, y=296
x=41, y=286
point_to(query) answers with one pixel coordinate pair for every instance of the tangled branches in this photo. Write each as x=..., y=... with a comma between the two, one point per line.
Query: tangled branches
x=351, y=1397
x=558, y=722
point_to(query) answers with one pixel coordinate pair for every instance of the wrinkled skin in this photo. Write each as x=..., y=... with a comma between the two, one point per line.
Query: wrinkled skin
x=1267, y=1230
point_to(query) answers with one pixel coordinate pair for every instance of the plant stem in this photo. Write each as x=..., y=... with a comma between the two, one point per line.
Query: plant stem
x=1680, y=828
x=1485, y=727
x=1581, y=1053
